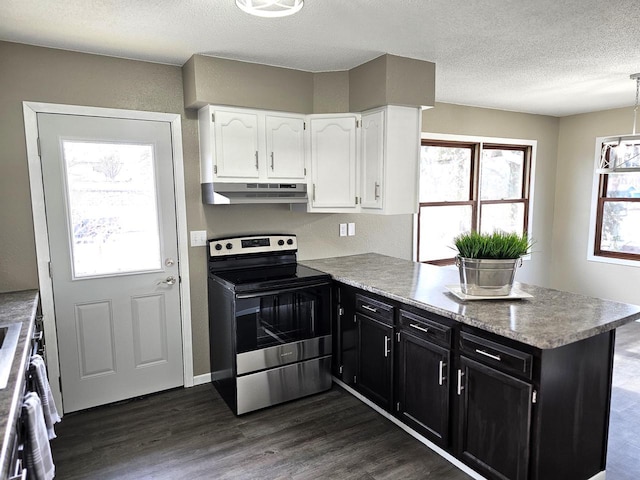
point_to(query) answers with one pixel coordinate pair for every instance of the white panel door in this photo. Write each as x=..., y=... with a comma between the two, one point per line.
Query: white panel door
x=285, y=147
x=372, y=159
x=110, y=208
x=333, y=162
x=236, y=140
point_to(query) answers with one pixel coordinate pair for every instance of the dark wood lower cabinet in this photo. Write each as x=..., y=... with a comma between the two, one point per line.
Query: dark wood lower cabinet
x=423, y=387
x=494, y=421
x=375, y=354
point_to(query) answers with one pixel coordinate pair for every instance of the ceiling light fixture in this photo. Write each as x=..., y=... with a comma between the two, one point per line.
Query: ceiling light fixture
x=270, y=8
x=621, y=154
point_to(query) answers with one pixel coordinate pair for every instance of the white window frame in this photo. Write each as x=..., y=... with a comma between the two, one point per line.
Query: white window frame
x=595, y=190
x=533, y=144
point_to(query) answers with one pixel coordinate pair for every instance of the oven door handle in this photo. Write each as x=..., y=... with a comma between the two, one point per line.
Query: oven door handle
x=279, y=291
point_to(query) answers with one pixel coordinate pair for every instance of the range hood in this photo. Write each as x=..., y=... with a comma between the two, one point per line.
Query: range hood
x=222, y=193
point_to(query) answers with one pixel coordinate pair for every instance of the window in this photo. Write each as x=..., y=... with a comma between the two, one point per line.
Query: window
x=617, y=232
x=468, y=186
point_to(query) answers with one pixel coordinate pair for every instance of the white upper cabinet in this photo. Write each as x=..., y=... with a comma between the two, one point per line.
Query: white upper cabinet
x=285, y=146
x=333, y=147
x=241, y=145
x=372, y=159
x=390, y=159
x=236, y=144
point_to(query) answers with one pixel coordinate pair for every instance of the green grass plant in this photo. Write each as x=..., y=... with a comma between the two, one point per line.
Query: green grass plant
x=496, y=245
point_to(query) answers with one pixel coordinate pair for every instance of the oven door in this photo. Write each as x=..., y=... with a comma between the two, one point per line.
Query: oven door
x=282, y=326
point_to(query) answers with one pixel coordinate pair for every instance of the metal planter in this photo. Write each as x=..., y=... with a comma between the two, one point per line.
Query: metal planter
x=487, y=277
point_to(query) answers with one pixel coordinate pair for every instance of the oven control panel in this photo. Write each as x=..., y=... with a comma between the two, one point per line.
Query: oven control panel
x=219, y=247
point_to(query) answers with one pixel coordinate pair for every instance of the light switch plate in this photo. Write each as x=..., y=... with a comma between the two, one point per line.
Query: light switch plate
x=343, y=229
x=198, y=238
x=351, y=229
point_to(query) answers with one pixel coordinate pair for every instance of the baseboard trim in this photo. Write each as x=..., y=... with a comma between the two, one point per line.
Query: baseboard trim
x=201, y=379
x=444, y=454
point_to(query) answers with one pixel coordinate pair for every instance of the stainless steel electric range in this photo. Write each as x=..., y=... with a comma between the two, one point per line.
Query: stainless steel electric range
x=269, y=322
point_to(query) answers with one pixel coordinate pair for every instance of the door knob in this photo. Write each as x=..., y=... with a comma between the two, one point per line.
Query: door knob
x=170, y=280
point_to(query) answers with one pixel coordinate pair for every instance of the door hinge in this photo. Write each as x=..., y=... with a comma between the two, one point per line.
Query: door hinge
x=357, y=123
x=534, y=397
x=305, y=172
x=38, y=145
x=398, y=407
x=304, y=125
x=213, y=118
x=340, y=311
x=215, y=169
x=50, y=270
x=340, y=370
x=356, y=200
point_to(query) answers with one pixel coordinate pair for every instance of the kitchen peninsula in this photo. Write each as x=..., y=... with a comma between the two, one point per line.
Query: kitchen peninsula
x=513, y=388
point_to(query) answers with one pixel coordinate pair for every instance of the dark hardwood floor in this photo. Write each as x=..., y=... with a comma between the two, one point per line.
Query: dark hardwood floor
x=191, y=434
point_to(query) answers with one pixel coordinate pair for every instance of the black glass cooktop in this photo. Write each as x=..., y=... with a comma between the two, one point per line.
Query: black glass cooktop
x=270, y=277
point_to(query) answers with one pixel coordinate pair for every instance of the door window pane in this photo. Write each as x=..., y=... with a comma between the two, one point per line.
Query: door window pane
x=621, y=227
x=438, y=227
x=445, y=174
x=112, y=208
x=508, y=217
x=501, y=174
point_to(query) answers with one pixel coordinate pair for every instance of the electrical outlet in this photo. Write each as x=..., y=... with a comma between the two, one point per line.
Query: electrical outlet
x=351, y=229
x=343, y=229
x=198, y=238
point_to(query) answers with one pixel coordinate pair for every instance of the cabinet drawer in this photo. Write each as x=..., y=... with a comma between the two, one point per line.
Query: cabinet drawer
x=374, y=309
x=497, y=355
x=425, y=328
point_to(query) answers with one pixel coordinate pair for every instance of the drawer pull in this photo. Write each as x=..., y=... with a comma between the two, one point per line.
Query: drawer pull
x=487, y=354
x=441, y=372
x=371, y=309
x=418, y=327
x=386, y=346
x=460, y=387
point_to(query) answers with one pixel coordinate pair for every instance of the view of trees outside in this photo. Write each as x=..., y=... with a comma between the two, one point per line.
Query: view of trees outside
x=445, y=176
x=621, y=219
x=111, y=201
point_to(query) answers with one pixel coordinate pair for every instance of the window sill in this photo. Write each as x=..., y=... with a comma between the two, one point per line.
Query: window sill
x=613, y=260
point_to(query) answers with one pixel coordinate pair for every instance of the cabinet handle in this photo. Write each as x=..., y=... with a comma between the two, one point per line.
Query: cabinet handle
x=314, y=192
x=460, y=387
x=418, y=327
x=487, y=354
x=271, y=161
x=371, y=309
x=386, y=346
x=441, y=372
x=257, y=160
x=377, y=191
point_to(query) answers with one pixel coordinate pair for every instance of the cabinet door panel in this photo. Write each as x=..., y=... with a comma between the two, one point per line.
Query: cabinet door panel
x=423, y=387
x=372, y=159
x=333, y=161
x=375, y=342
x=285, y=147
x=495, y=421
x=236, y=137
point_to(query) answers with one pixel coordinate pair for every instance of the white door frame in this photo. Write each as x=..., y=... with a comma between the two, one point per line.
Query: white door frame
x=30, y=110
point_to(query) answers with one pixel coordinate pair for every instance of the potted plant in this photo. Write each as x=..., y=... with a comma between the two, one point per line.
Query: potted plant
x=487, y=262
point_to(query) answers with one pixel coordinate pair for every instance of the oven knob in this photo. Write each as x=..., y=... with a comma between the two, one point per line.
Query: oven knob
x=290, y=242
x=280, y=242
x=218, y=246
x=229, y=246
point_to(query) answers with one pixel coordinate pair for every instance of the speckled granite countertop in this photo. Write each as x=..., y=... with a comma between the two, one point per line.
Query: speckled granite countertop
x=550, y=319
x=15, y=307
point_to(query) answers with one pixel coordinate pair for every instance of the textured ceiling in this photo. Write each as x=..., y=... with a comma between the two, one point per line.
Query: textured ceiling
x=552, y=57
